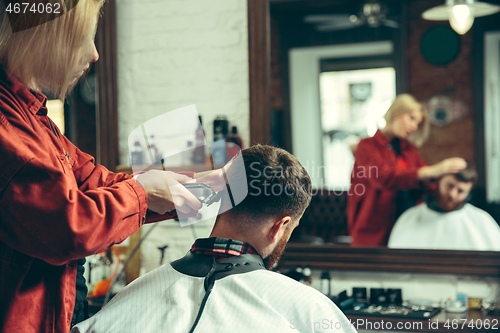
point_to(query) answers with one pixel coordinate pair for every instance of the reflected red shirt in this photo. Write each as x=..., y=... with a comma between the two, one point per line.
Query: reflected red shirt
x=56, y=206
x=377, y=177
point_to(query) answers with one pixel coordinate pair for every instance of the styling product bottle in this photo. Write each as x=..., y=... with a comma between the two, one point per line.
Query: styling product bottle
x=151, y=151
x=235, y=143
x=307, y=275
x=136, y=154
x=234, y=137
x=325, y=283
x=199, y=150
x=222, y=123
x=219, y=148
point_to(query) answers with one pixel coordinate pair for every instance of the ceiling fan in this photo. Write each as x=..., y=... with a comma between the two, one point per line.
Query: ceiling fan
x=372, y=14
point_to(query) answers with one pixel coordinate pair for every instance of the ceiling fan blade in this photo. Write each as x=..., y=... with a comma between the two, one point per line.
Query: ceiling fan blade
x=336, y=26
x=391, y=24
x=326, y=18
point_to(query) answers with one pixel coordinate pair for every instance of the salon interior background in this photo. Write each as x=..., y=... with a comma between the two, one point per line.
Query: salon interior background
x=460, y=78
x=175, y=53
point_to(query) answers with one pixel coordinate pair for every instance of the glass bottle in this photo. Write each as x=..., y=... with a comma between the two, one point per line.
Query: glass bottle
x=199, y=150
x=219, y=148
x=136, y=154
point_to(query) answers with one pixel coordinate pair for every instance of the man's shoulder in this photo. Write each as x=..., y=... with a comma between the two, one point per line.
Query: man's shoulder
x=300, y=304
x=158, y=279
x=415, y=210
x=411, y=216
x=475, y=211
x=419, y=207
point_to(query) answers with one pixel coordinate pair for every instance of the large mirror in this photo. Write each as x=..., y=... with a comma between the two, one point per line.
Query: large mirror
x=331, y=80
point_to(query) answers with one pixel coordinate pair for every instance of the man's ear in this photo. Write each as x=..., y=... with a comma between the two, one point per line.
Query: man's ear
x=278, y=225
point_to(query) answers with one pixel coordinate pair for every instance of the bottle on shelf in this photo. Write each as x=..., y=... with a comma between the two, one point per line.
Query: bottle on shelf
x=136, y=154
x=199, y=150
x=307, y=274
x=235, y=143
x=235, y=137
x=219, y=148
x=152, y=151
x=222, y=123
x=325, y=283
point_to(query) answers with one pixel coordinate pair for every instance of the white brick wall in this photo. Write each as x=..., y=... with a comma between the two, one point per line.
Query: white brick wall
x=174, y=53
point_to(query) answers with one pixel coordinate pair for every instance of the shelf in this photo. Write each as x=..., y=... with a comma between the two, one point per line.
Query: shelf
x=335, y=257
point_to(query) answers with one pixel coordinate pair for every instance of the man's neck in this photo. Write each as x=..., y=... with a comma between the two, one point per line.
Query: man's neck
x=226, y=229
x=227, y=233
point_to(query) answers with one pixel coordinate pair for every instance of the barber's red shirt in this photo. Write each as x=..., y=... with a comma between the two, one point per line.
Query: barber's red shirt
x=56, y=206
x=378, y=175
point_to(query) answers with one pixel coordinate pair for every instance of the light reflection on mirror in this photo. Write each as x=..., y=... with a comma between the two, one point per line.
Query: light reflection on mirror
x=353, y=105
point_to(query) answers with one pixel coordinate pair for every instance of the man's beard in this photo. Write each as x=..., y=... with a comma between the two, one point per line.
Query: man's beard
x=448, y=205
x=272, y=258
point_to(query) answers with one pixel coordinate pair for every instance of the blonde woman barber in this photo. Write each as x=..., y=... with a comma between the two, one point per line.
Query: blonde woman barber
x=56, y=205
x=391, y=173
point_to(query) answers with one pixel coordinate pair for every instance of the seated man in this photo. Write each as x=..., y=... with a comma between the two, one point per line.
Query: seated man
x=221, y=285
x=447, y=221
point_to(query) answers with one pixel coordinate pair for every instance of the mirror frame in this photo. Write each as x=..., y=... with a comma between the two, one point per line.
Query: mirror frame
x=106, y=75
x=335, y=257
x=480, y=263
x=259, y=61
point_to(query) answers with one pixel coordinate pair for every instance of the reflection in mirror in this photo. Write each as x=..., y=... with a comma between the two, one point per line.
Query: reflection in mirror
x=356, y=84
x=324, y=140
x=328, y=72
x=446, y=221
x=353, y=104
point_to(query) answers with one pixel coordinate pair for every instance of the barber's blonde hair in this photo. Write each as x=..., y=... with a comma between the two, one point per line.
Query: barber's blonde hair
x=406, y=103
x=45, y=57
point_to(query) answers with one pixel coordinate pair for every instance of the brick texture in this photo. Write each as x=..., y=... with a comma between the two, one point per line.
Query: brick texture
x=453, y=80
x=174, y=53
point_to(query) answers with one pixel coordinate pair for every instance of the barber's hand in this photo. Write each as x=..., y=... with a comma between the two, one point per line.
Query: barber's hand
x=165, y=191
x=451, y=165
x=447, y=166
x=214, y=179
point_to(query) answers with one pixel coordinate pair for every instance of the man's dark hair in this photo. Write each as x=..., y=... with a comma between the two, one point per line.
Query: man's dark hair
x=278, y=184
x=468, y=175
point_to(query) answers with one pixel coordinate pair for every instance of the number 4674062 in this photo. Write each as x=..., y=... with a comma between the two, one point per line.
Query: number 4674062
x=40, y=8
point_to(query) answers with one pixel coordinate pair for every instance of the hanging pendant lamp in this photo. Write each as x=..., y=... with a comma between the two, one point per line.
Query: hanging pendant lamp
x=460, y=13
